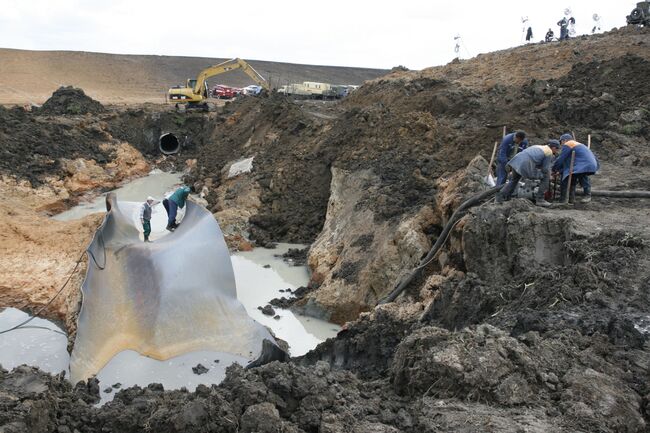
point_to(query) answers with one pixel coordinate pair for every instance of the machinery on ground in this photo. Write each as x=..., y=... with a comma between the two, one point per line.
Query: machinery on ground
x=316, y=90
x=640, y=15
x=196, y=92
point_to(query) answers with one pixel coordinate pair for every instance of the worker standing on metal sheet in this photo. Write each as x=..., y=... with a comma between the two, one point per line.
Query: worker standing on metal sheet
x=171, y=204
x=145, y=216
x=534, y=162
x=510, y=145
x=585, y=164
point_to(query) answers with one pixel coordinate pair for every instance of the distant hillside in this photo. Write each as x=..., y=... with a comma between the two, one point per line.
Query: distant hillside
x=32, y=76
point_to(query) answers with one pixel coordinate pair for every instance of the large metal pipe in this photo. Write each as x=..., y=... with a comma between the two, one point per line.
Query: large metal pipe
x=162, y=299
x=168, y=144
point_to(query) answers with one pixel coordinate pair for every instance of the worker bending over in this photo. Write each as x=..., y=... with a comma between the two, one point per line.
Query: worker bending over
x=584, y=165
x=145, y=216
x=510, y=145
x=171, y=204
x=534, y=162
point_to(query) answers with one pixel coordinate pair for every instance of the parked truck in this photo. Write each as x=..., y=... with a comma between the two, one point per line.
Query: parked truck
x=311, y=90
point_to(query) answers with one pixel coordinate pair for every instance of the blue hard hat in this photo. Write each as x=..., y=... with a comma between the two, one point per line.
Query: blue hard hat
x=566, y=137
x=554, y=143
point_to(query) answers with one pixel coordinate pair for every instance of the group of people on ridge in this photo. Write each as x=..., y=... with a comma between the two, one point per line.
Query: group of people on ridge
x=537, y=162
x=565, y=24
x=172, y=204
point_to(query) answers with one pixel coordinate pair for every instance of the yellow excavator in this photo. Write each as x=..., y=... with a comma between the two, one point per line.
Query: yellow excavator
x=196, y=91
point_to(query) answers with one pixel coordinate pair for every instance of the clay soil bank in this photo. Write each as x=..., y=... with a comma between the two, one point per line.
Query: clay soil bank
x=529, y=320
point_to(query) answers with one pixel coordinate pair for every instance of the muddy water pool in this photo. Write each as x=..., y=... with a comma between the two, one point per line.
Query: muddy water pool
x=260, y=275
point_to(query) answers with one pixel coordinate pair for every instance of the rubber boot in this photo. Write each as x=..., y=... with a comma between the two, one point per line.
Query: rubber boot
x=586, y=199
x=543, y=203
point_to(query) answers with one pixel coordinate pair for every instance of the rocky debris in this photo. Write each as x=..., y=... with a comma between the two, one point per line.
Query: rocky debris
x=292, y=398
x=296, y=256
x=200, y=369
x=619, y=103
x=267, y=310
x=298, y=294
x=282, y=302
x=367, y=346
x=528, y=319
x=70, y=101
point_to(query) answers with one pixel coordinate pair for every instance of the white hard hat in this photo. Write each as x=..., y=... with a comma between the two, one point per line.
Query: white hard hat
x=151, y=198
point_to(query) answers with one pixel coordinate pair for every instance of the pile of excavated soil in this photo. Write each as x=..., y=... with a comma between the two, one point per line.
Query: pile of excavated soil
x=539, y=61
x=32, y=146
x=70, y=100
x=377, y=163
x=528, y=320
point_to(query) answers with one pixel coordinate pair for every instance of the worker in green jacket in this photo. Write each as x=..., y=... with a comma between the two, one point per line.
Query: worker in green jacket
x=172, y=203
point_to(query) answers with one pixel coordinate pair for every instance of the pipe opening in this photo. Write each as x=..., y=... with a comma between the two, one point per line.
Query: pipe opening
x=169, y=144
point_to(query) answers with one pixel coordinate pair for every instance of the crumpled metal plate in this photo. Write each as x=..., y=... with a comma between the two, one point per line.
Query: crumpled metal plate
x=162, y=299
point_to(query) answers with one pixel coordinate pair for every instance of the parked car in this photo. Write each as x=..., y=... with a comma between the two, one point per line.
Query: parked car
x=252, y=90
x=225, y=92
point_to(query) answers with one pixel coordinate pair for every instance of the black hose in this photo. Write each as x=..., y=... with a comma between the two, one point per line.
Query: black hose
x=455, y=217
x=621, y=194
x=23, y=323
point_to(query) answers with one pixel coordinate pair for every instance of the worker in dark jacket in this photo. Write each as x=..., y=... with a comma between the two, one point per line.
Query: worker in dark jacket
x=510, y=146
x=171, y=204
x=534, y=162
x=584, y=165
x=564, y=28
x=549, y=36
x=145, y=216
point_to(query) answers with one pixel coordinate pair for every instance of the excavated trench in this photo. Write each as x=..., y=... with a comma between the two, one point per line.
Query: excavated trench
x=525, y=321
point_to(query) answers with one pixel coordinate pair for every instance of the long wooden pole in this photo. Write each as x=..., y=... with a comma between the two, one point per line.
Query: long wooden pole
x=504, y=130
x=589, y=141
x=568, y=185
x=494, y=151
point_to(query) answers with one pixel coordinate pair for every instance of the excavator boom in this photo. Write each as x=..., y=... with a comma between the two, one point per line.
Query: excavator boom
x=194, y=92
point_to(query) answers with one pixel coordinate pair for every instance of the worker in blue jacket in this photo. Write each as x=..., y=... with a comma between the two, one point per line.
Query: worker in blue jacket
x=585, y=164
x=510, y=145
x=534, y=162
x=175, y=201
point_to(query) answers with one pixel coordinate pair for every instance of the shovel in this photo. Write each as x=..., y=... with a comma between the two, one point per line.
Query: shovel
x=489, y=179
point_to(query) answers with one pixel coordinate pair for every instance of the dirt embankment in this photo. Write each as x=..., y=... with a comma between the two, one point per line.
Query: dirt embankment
x=529, y=319
x=52, y=157
x=380, y=163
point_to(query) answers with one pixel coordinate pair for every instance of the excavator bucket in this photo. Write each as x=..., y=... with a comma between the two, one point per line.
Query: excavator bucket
x=162, y=299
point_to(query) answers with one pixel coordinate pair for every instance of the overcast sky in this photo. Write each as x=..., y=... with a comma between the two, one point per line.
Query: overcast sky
x=380, y=33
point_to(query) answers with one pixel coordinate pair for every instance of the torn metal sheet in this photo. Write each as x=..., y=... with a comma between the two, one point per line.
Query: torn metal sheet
x=239, y=167
x=161, y=299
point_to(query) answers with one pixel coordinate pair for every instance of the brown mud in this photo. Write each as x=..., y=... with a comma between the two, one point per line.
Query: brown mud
x=529, y=320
